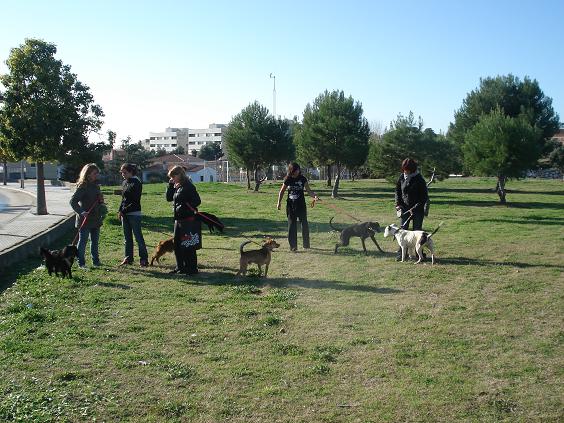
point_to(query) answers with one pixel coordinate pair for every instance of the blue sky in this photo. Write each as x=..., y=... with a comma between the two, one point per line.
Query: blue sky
x=153, y=64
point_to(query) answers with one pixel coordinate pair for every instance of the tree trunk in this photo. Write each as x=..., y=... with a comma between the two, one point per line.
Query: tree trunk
x=501, y=188
x=335, y=191
x=5, y=172
x=248, y=179
x=41, y=202
x=328, y=175
x=258, y=181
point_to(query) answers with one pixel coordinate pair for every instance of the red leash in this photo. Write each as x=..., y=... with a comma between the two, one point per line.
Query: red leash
x=204, y=216
x=84, y=222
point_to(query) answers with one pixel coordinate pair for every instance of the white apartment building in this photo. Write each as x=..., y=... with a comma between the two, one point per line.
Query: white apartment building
x=187, y=138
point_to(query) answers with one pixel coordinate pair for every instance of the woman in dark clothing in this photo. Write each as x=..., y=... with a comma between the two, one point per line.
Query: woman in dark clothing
x=411, y=195
x=130, y=214
x=187, y=229
x=88, y=197
x=296, y=209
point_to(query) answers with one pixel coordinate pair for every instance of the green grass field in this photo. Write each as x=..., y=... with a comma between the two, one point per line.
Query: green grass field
x=325, y=338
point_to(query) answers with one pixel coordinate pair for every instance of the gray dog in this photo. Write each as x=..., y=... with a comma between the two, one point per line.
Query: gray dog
x=362, y=230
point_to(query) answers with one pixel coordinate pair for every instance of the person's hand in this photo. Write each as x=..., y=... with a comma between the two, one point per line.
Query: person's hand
x=398, y=208
x=120, y=216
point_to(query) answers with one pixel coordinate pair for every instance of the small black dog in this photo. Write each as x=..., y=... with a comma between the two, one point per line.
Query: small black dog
x=362, y=230
x=212, y=221
x=59, y=260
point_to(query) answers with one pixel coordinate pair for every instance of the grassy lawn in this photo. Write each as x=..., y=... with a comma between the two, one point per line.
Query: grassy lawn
x=326, y=338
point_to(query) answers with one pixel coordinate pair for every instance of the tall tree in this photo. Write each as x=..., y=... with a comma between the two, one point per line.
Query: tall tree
x=333, y=132
x=48, y=113
x=515, y=98
x=255, y=140
x=502, y=146
x=211, y=151
x=407, y=138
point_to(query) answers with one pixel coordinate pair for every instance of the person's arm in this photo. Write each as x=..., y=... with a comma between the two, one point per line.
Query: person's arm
x=280, y=195
x=76, y=198
x=398, y=197
x=310, y=192
x=170, y=191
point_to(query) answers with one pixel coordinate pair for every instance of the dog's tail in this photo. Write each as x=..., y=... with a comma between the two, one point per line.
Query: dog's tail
x=242, y=245
x=435, y=231
x=331, y=224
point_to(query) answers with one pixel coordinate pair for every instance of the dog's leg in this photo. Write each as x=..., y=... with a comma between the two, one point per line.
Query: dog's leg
x=419, y=252
x=364, y=246
x=403, y=253
x=265, y=270
x=336, y=246
x=376, y=242
x=260, y=270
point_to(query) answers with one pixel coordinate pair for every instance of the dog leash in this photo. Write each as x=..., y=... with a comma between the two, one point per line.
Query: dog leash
x=74, y=241
x=195, y=211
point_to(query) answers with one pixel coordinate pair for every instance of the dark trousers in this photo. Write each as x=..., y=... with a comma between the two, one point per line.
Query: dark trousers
x=186, y=258
x=416, y=222
x=132, y=228
x=294, y=213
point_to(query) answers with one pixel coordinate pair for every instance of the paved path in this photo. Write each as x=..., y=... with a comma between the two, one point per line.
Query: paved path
x=18, y=223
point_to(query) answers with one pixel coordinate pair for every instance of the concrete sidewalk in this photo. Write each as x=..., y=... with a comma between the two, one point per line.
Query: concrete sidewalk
x=22, y=235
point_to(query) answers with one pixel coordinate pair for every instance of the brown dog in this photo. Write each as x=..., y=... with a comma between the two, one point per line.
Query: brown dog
x=166, y=246
x=258, y=257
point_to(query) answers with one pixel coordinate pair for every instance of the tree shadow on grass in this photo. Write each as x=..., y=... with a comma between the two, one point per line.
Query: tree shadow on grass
x=225, y=276
x=529, y=220
x=229, y=279
x=483, y=262
x=491, y=203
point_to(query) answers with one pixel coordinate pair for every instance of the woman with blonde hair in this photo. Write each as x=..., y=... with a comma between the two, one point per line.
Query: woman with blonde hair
x=187, y=228
x=88, y=203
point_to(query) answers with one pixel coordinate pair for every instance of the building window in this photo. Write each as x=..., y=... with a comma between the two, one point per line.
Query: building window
x=191, y=135
x=201, y=178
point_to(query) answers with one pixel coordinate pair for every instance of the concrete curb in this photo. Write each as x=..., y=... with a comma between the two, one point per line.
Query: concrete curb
x=30, y=247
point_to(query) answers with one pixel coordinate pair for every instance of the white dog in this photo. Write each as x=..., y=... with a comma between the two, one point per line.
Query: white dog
x=412, y=242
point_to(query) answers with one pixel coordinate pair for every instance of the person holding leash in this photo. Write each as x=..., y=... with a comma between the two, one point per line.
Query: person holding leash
x=88, y=204
x=296, y=209
x=411, y=196
x=130, y=214
x=187, y=228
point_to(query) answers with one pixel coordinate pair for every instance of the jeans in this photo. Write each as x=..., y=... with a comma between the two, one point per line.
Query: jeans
x=295, y=213
x=83, y=239
x=132, y=227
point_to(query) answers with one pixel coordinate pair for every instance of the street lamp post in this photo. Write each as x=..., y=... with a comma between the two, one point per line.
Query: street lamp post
x=272, y=76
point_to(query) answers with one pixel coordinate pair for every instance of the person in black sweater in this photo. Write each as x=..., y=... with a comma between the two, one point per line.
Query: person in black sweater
x=130, y=214
x=187, y=229
x=296, y=209
x=411, y=194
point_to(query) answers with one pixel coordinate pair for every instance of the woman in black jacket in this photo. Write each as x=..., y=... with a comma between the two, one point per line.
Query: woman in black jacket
x=411, y=195
x=187, y=229
x=130, y=214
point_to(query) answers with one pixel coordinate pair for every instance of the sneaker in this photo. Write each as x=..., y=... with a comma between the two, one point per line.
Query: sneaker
x=144, y=263
x=294, y=249
x=125, y=262
x=173, y=271
x=82, y=266
x=96, y=264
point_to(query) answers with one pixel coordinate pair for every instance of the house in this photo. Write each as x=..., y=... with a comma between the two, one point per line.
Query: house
x=196, y=168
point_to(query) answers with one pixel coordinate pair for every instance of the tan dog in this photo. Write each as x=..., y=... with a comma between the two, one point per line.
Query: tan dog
x=166, y=246
x=258, y=257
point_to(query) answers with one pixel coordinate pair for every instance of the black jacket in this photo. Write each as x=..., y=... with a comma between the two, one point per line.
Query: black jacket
x=408, y=194
x=185, y=193
x=131, y=195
